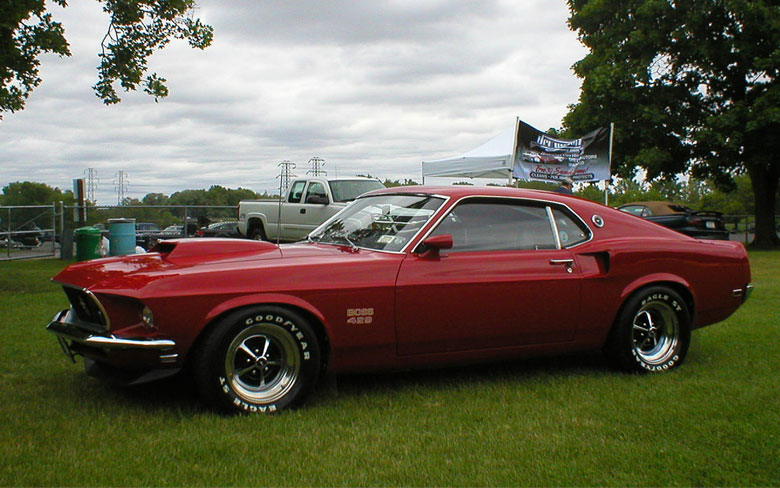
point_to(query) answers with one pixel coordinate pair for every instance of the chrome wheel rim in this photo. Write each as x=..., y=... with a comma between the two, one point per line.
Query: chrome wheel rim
x=262, y=363
x=656, y=333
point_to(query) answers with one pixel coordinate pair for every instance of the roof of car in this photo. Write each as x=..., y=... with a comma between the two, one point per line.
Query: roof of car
x=660, y=208
x=333, y=178
x=458, y=191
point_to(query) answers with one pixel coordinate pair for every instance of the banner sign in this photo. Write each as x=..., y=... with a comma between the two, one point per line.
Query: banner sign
x=539, y=156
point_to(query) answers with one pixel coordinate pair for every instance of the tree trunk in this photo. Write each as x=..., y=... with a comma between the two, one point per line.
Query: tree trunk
x=765, y=178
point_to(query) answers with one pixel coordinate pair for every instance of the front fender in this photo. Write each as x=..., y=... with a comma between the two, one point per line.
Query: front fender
x=267, y=299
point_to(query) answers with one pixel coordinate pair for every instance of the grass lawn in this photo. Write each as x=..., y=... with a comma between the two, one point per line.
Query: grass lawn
x=567, y=421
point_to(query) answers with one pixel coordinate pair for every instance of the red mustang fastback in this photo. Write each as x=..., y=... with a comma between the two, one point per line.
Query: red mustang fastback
x=401, y=278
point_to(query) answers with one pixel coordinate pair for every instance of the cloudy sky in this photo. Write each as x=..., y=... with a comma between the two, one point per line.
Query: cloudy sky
x=371, y=87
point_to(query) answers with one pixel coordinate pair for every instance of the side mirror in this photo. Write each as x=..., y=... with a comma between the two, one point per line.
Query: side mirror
x=431, y=247
x=316, y=199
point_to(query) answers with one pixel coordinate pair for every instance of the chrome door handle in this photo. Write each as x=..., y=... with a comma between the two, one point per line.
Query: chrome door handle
x=569, y=263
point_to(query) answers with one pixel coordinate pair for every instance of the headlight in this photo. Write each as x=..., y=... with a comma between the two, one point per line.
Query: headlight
x=147, y=317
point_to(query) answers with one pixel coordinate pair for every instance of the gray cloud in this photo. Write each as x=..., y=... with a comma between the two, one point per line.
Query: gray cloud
x=368, y=86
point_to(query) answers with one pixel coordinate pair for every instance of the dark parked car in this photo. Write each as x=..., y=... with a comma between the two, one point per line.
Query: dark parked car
x=220, y=229
x=701, y=224
x=146, y=234
x=28, y=235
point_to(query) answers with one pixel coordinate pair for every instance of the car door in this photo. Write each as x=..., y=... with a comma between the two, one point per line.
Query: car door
x=507, y=281
x=301, y=217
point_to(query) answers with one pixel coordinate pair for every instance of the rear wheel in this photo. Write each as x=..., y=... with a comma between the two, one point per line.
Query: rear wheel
x=262, y=359
x=257, y=233
x=652, y=332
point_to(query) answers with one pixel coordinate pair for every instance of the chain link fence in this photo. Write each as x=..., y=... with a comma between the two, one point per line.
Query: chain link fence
x=28, y=231
x=36, y=231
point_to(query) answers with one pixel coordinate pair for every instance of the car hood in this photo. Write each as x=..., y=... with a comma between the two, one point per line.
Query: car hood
x=182, y=257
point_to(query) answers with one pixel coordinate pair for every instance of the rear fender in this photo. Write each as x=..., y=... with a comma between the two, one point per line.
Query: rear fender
x=653, y=279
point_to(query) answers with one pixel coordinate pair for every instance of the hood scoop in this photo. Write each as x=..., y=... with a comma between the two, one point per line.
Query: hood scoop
x=205, y=249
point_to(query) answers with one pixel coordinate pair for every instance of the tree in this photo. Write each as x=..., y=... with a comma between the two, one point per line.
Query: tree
x=393, y=183
x=136, y=30
x=691, y=86
x=28, y=193
x=31, y=193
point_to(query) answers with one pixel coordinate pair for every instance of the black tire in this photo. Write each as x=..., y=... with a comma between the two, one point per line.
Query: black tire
x=257, y=233
x=652, y=332
x=259, y=359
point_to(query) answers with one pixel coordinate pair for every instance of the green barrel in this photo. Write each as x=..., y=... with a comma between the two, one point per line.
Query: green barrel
x=87, y=243
x=121, y=236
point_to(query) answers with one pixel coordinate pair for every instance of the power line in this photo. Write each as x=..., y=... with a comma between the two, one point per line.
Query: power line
x=120, y=185
x=316, y=167
x=92, y=183
x=285, y=175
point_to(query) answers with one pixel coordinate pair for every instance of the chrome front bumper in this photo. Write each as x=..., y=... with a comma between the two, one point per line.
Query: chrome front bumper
x=66, y=331
x=743, y=293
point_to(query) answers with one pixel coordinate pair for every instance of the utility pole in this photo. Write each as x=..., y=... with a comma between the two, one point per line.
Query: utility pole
x=120, y=185
x=316, y=167
x=285, y=175
x=92, y=182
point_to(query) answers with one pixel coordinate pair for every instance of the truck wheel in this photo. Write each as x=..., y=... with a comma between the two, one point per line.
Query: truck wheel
x=261, y=359
x=257, y=234
x=652, y=332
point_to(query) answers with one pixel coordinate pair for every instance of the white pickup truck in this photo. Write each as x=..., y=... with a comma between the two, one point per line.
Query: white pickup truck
x=308, y=203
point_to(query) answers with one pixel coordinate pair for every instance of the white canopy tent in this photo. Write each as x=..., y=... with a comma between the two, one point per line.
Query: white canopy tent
x=493, y=159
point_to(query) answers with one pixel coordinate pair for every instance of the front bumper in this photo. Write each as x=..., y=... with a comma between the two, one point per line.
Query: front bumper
x=743, y=293
x=71, y=336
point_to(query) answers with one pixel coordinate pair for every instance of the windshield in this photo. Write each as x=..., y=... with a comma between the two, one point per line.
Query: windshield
x=348, y=190
x=382, y=223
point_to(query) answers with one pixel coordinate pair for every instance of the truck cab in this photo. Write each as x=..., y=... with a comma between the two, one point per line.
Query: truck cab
x=308, y=202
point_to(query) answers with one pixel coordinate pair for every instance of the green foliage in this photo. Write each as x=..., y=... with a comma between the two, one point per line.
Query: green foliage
x=691, y=86
x=137, y=29
x=536, y=185
x=393, y=183
x=31, y=193
x=696, y=194
x=26, y=31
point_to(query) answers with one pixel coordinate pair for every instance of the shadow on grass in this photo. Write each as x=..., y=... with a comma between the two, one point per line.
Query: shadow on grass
x=534, y=369
x=177, y=394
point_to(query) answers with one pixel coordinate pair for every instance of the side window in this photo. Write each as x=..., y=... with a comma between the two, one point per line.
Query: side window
x=497, y=225
x=296, y=192
x=638, y=210
x=316, y=189
x=570, y=231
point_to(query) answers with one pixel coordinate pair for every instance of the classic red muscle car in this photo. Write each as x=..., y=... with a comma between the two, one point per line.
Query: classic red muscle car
x=401, y=278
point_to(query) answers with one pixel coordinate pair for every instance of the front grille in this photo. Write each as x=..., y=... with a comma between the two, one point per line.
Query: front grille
x=86, y=306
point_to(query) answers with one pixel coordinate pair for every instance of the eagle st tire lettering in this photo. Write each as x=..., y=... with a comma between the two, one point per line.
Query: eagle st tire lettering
x=651, y=333
x=261, y=359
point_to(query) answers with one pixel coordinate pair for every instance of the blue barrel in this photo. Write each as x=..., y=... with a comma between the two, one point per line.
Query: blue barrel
x=121, y=236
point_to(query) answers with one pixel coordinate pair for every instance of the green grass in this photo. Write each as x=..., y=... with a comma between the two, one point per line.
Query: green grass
x=565, y=421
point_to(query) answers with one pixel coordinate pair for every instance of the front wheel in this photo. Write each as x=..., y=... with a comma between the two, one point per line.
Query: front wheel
x=262, y=359
x=652, y=332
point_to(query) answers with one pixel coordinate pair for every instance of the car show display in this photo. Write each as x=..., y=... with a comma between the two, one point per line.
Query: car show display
x=401, y=278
